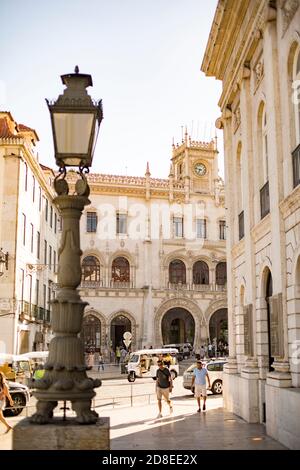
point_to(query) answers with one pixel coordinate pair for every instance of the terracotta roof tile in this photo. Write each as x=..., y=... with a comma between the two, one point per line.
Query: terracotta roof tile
x=5, y=131
x=8, y=132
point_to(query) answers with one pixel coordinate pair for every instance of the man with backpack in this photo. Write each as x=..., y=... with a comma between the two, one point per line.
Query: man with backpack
x=164, y=386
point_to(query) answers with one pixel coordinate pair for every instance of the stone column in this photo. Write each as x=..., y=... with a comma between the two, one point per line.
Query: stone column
x=226, y=123
x=274, y=121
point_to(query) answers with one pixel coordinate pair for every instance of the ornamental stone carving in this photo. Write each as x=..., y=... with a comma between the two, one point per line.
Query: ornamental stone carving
x=289, y=8
x=259, y=72
x=236, y=119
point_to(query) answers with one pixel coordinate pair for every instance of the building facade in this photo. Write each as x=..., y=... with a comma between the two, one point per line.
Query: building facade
x=254, y=48
x=154, y=260
x=29, y=225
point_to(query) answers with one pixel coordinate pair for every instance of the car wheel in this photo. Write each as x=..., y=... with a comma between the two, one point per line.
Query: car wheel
x=173, y=374
x=131, y=377
x=217, y=387
x=19, y=403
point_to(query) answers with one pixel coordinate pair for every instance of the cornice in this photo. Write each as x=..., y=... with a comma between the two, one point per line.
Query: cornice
x=261, y=229
x=238, y=249
x=291, y=203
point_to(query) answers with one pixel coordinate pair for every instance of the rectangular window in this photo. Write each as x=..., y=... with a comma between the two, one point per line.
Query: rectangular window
x=33, y=188
x=38, y=244
x=201, y=228
x=296, y=165
x=40, y=199
x=121, y=223
x=46, y=209
x=44, y=296
x=32, y=239
x=30, y=289
x=222, y=230
x=241, y=225
x=25, y=176
x=50, y=256
x=178, y=227
x=24, y=228
x=37, y=289
x=22, y=283
x=54, y=261
x=49, y=297
x=91, y=222
x=45, y=252
x=55, y=222
x=51, y=216
x=264, y=200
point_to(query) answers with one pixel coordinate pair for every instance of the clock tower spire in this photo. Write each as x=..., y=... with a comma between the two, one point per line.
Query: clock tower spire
x=195, y=164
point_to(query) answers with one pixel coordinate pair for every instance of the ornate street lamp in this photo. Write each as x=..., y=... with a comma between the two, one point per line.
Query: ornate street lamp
x=3, y=261
x=75, y=122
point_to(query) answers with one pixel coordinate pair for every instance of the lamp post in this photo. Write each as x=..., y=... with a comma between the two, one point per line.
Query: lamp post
x=75, y=120
x=3, y=261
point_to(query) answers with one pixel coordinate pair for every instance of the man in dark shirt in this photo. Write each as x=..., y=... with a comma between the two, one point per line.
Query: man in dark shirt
x=163, y=386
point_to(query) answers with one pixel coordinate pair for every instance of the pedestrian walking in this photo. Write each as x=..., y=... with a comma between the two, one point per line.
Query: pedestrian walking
x=199, y=379
x=118, y=355
x=4, y=393
x=100, y=361
x=164, y=386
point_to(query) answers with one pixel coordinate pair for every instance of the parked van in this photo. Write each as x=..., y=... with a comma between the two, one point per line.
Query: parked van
x=143, y=363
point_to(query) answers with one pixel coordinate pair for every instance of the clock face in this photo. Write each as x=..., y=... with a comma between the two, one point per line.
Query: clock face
x=200, y=169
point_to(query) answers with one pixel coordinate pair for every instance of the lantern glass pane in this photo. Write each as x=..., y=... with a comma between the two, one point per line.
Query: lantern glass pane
x=73, y=132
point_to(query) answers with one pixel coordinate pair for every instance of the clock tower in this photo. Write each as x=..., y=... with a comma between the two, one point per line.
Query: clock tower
x=195, y=165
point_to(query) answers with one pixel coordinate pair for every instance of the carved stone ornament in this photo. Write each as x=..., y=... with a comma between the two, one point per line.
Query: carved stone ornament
x=259, y=72
x=236, y=119
x=289, y=8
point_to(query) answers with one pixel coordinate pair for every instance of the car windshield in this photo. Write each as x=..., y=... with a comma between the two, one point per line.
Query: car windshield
x=134, y=358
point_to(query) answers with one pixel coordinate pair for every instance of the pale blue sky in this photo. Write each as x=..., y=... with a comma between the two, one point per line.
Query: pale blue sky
x=144, y=57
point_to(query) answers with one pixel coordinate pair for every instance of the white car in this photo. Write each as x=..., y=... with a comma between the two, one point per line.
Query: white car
x=215, y=372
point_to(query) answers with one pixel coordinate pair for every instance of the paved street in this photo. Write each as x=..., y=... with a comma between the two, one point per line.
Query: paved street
x=136, y=427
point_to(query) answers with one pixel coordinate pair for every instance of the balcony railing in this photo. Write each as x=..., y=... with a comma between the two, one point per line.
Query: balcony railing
x=241, y=225
x=296, y=166
x=264, y=200
x=121, y=284
x=35, y=312
x=91, y=284
x=43, y=315
x=198, y=287
x=170, y=285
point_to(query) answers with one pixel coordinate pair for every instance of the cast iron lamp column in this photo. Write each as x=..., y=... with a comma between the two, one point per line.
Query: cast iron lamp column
x=74, y=118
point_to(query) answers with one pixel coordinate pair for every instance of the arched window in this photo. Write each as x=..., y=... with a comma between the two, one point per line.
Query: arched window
x=296, y=93
x=120, y=271
x=200, y=273
x=90, y=270
x=221, y=275
x=177, y=272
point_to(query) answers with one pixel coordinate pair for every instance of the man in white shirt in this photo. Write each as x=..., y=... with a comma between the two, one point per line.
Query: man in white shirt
x=199, y=379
